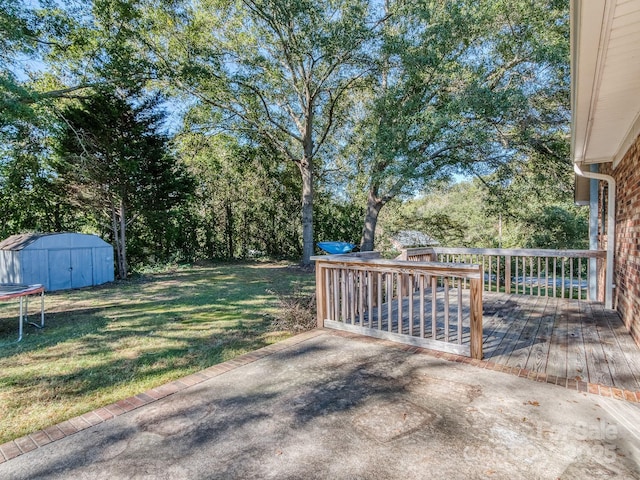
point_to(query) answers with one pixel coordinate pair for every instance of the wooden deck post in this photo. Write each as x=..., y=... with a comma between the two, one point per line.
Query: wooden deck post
x=373, y=280
x=475, y=286
x=403, y=287
x=507, y=274
x=321, y=294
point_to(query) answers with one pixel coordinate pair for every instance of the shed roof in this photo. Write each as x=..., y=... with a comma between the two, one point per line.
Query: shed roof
x=412, y=238
x=51, y=240
x=18, y=242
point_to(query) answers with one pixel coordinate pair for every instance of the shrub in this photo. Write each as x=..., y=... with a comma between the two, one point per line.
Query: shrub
x=296, y=311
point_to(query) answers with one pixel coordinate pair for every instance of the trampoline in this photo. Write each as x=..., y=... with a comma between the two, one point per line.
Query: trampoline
x=334, y=248
x=11, y=291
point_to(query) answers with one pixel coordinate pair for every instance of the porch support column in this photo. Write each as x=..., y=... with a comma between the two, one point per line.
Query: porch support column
x=611, y=229
x=593, y=235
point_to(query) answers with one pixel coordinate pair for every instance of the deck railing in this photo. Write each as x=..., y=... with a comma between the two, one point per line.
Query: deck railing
x=414, y=302
x=553, y=273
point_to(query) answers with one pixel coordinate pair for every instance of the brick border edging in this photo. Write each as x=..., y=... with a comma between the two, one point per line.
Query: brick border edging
x=32, y=441
x=571, y=384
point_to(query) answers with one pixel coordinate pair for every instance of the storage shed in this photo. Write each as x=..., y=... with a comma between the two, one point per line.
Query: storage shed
x=412, y=238
x=56, y=260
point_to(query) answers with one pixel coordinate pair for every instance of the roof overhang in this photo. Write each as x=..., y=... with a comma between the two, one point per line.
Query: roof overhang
x=605, y=79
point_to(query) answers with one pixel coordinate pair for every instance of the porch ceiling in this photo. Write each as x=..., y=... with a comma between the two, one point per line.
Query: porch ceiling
x=605, y=70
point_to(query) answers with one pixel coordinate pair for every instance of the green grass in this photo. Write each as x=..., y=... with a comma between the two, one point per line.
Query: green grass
x=106, y=343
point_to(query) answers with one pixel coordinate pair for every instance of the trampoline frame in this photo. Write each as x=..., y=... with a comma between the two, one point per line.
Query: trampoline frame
x=11, y=291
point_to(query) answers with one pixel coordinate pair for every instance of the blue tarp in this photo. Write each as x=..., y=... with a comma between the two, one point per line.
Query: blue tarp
x=334, y=248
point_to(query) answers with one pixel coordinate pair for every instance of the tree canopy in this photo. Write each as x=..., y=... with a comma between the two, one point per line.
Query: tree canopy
x=288, y=121
x=274, y=72
x=113, y=160
x=462, y=87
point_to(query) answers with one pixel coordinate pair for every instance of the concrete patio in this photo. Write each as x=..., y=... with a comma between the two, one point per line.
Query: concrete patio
x=333, y=405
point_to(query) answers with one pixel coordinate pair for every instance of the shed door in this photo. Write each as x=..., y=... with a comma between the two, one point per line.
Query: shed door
x=81, y=267
x=59, y=269
x=70, y=268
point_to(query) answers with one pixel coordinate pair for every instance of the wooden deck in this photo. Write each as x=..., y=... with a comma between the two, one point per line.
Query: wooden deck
x=575, y=339
x=418, y=301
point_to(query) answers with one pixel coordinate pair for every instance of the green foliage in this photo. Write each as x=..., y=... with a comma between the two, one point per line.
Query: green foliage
x=461, y=86
x=337, y=220
x=341, y=107
x=536, y=192
x=117, y=164
x=16, y=43
x=32, y=195
x=527, y=213
x=245, y=202
x=454, y=215
x=558, y=227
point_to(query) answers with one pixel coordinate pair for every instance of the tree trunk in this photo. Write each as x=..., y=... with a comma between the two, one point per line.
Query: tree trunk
x=229, y=227
x=374, y=204
x=116, y=239
x=123, y=267
x=306, y=169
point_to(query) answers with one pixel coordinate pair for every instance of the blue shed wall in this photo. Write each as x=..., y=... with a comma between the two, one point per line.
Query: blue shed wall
x=33, y=264
x=59, y=262
x=10, y=267
x=103, y=265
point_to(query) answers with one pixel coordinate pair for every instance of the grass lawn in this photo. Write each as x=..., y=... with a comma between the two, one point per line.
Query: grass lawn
x=102, y=344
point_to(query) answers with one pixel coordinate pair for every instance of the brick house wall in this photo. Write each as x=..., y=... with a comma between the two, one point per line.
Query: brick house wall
x=627, y=251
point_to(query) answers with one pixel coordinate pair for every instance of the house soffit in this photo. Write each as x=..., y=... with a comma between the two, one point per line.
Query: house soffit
x=605, y=69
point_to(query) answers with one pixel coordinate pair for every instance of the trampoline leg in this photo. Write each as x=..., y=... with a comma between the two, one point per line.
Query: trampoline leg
x=42, y=309
x=20, y=328
x=26, y=313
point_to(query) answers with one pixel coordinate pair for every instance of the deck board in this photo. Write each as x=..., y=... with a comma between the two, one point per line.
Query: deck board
x=519, y=356
x=597, y=364
x=500, y=330
x=539, y=353
x=625, y=342
x=616, y=342
x=557, y=360
x=576, y=362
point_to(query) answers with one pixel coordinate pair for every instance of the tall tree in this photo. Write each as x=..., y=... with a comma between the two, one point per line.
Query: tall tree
x=457, y=78
x=279, y=69
x=31, y=194
x=117, y=163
